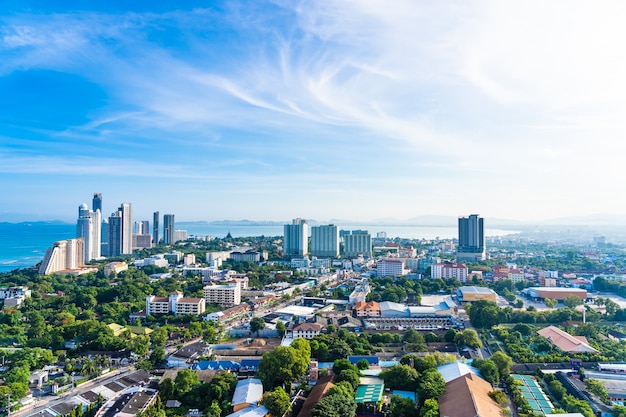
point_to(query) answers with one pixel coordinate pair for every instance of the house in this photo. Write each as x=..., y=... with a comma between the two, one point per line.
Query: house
x=367, y=309
x=317, y=393
x=615, y=335
x=306, y=330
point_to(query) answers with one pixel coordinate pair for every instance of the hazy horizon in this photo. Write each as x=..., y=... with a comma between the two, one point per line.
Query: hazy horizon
x=344, y=109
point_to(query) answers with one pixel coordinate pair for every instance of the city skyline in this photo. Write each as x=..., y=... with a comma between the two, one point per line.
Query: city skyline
x=340, y=110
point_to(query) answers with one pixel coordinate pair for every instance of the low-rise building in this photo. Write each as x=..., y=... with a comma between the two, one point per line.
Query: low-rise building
x=115, y=267
x=306, y=330
x=176, y=304
x=472, y=293
x=367, y=309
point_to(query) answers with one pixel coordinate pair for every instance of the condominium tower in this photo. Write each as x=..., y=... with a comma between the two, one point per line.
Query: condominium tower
x=325, y=241
x=357, y=242
x=471, y=245
x=296, y=241
x=155, y=228
x=121, y=231
x=88, y=228
x=168, y=229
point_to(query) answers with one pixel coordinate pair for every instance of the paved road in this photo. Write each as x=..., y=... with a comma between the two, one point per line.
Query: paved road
x=48, y=401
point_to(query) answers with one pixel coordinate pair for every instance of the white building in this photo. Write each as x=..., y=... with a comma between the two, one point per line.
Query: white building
x=116, y=267
x=63, y=255
x=12, y=292
x=357, y=242
x=176, y=304
x=449, y=271
x=225, y=295
x=391, y=268
x=360, y=293
x=296, y=239
x=325, y=241
x=88, y=228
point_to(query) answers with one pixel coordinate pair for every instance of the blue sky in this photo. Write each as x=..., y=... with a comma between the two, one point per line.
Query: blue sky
x=341, y=109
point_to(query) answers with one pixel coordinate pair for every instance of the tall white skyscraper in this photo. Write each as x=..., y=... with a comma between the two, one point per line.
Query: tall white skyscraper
x=88, y=228
x=296, y=241
x=325, y=241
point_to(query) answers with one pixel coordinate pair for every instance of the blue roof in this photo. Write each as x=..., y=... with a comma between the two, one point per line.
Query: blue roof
x=250, y=363
x=372, y=360
x=216, y=366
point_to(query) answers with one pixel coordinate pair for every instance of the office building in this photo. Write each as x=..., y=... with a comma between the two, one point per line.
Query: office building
x=471, y=245
x=142, y=227
x=325, y=241
x=357, y=242
x=296, y=239
x=120, y=231
x=88, y=228
x=96, y=202
x=155, y=228
x=96, y=206
x=225, y=295
x=168, y=229
x=63, y=255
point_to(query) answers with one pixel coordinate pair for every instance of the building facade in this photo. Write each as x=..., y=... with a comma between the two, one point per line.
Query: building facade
x=357, y=242
x=471, y=239
x=168, y=229
x=224, y=295
x=391, y=268
x=88, y=228
x=121, y=231
x=63, y=255
x=296, y=239
x=325, y=241
x=155, y=228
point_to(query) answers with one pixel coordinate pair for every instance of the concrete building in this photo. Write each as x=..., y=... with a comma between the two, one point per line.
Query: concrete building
x=325, y=241
x=296, y=238
x=176, y=304
x=121, y=231
x=357, y=242
x=249, y=255
x=62, y=256
x=449, y=271
x=116, y=267
x=367, y=309
x=556, y=293
x=225, y=295
x=391, y=268
x=306, y=330
x=248, y=392
x=88, y=228
x=143, y=241
x=468, y=396
x=180, y=235
x=471, y=239
x=360, y=293
x=155, y=228
x=168, y=229
x=470, y=293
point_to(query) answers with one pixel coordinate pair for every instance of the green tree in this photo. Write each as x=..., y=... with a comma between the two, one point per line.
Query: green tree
x=257, y=324
x=280, y=328
x=430, y=385
x=488, y=370
x=281, y=366
x=430, y=408
x=402, y=407
x=277, y=402
x=363, y=364
x=400, y=377
x=503, y=362
x=572, y=301
x=550, y=302
x=334, y=406
x=185, y=380
x=349, y=375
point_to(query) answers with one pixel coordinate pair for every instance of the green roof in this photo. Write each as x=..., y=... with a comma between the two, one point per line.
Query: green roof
x=369, y=393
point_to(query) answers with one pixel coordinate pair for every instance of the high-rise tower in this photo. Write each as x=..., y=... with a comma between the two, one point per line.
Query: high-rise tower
x=471, y=239
x=96, y=203
x=296, y=241
x=121, y=231
x=358, y=242
x=155, y=228
x=88, y=228
x=168, y=229
x=325, y=241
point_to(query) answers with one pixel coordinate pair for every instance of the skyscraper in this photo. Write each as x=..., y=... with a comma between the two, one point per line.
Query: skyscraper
x=96, y=203
x=155, y=228
x=357, y=242
x=471, y=239
x=88, y=228
x=325, y=241
x=296, y=241
x=121, y=231
x=142, y=227
x=168, y=229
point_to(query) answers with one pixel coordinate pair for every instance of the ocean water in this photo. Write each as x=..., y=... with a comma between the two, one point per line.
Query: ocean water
x=23, y=245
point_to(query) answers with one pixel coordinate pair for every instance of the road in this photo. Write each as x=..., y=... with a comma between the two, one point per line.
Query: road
x=48, y=401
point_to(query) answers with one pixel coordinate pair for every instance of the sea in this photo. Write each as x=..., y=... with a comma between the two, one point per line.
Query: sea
x=23, y=245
